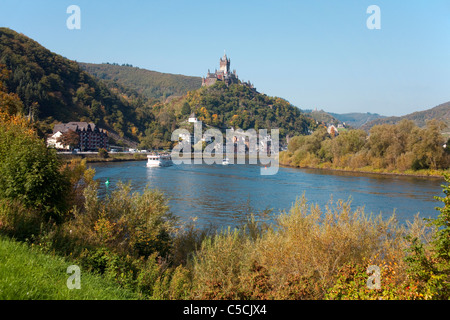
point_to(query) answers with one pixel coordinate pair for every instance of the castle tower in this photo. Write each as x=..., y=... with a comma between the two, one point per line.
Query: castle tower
x=225, y=64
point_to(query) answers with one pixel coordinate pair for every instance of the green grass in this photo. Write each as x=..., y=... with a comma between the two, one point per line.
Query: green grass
x=28, y=274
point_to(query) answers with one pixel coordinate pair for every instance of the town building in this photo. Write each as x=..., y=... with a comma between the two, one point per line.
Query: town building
x=332, y=130
x=91, y=137
x=53, y=141
x=192, y=118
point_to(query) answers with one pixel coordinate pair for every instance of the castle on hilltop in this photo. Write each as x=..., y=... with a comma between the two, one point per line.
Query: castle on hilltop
x=223, y=74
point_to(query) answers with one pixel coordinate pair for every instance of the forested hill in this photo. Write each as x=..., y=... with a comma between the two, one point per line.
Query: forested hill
x=150, y=84
x=240, y=106
x=440, y=112
x=53, y=88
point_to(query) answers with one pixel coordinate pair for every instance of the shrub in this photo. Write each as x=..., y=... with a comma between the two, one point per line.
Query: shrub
x=405, y=161
x=133, y=223
x=80, y=177
x=102, y=153
x=30, y=175
x=351, y=284
x=172, y=284
x=219, y=264
x=149, y=272
x=429, y=264
x=298, y=257
x=312, y=244
x=18, y=221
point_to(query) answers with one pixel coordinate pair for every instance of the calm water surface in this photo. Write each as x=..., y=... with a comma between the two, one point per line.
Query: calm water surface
x=222, y=195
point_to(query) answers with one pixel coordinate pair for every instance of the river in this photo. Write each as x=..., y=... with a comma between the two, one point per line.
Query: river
x=223, y=195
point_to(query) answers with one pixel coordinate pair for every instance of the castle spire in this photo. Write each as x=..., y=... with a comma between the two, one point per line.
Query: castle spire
x=224, y=58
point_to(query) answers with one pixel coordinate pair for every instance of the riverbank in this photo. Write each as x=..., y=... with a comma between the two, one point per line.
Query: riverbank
x=112, y=157
x=369, y=170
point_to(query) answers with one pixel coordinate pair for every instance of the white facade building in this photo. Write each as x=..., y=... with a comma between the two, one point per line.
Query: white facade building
x=52, y=141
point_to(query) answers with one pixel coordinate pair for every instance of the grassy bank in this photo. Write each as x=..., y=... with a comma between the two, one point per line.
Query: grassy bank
x=112, y=157
x=435, y=173
x=28, y=274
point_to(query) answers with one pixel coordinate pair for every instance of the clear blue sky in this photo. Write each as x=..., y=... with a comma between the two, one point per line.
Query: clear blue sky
x=314, y=53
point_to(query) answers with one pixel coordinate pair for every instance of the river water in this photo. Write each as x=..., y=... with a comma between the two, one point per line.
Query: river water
x=223, y=195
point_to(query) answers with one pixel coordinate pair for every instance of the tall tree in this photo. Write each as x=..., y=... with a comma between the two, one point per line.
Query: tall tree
x=69, y=138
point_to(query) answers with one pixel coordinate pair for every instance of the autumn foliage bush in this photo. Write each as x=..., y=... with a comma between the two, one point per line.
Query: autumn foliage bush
x=296, y=258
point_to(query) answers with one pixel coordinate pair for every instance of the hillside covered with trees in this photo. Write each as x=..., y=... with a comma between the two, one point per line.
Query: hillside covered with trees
x=150, y=84
x=55, y=89
x=223, y=107
x=240, y=106
x=420, y=118
x=322, y=116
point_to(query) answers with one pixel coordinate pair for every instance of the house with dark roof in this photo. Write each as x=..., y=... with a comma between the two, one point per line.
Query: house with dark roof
x=92, y=138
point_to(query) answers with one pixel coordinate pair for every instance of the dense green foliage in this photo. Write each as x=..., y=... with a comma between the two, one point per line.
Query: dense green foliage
x=29, y=172
x=150, y=84
x=239, y=106
x=430, y=264
x=401, y=147
x=224, y=107
x=31, y=183
x=53, y=88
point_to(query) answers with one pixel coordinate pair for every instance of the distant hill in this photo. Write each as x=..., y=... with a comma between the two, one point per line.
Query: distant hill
x=440, y=112
x=150, y=84
x=55, y=89
x=356, y=119
x=322, y=116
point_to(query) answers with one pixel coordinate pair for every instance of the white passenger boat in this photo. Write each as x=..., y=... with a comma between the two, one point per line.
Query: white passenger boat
x=159, y=160
x=225, y=161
